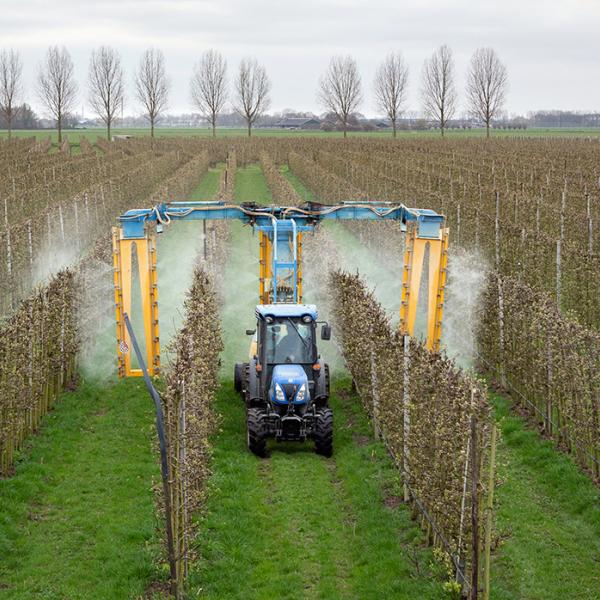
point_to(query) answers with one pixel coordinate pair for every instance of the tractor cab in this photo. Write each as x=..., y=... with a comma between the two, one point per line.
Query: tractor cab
x=285, y=384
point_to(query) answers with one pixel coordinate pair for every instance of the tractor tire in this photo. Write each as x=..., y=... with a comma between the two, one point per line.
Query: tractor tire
x=324, y=432
x=256, y=431
x=239, y=373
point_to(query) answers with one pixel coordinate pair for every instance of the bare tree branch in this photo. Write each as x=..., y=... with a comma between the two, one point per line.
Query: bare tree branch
x=340, y=88
x=11, y=71
x=56, y=85
x=209, y=86
x=487, y=84
x=152, y=85
x=391, y=86
x=438, y=87
x=107, y=90
x=252, y=90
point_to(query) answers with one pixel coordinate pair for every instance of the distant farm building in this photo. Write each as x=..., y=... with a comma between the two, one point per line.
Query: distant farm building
x=298, y=123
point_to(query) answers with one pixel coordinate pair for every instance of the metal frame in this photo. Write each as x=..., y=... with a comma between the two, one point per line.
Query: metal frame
x=280, y=271
x=414, y=256
x=280, y=267
x=145, y=249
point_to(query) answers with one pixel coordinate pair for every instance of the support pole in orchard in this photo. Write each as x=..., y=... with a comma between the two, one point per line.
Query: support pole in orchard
x=406, y=417
x=474, y=508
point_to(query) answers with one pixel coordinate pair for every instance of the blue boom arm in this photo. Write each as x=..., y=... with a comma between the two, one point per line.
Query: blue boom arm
x=429, y=223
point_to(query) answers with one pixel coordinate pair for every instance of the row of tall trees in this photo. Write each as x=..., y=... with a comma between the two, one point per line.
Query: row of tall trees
x=340, y=87
x=58, y=90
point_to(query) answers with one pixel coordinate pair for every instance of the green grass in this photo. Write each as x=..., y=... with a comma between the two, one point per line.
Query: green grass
x=77, y=518
x=304, y=192
x=548, y=518
x=296, y=525
x=209, y=185
x=93, y=134
x=251, y=186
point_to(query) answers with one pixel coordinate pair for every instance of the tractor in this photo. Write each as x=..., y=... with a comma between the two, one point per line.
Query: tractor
x=285, y=384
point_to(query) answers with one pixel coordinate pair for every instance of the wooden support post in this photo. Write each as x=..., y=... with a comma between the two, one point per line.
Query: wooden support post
x=474, y=510
x=374, y=385
x=489, y=514
x=406, y=418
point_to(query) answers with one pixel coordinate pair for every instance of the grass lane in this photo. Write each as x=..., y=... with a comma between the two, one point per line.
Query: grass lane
x=251, y=186
x=297, y=525
x=77, y=518
x=548, y=519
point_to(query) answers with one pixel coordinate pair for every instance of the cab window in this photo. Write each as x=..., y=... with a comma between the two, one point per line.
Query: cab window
x=289, y=341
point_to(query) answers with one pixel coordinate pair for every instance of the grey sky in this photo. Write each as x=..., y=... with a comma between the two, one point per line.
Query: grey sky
x=551, y=48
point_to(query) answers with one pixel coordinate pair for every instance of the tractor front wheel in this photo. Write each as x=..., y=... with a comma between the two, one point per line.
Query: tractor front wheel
x=257, y=432
x=239, y=375
x=324, y=432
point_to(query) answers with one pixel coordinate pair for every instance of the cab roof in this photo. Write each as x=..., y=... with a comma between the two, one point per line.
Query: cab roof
x=286, y=310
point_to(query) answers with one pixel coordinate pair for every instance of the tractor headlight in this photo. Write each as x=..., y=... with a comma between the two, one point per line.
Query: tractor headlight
x=279, y=395
x=301, y=394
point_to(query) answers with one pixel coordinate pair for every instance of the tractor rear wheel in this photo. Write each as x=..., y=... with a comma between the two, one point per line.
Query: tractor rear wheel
x=257, y=432
x=324, y=432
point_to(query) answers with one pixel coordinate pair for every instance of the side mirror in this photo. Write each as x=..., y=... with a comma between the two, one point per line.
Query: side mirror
x=326, y=332
x=250, y=331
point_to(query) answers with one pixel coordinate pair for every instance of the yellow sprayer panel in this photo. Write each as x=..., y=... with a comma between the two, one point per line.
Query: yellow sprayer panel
x=122, y=263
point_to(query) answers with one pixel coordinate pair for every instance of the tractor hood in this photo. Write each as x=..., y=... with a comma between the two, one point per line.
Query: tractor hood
x=290, y=378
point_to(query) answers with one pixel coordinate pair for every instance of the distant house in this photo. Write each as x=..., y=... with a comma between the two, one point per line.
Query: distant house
x=298, y=123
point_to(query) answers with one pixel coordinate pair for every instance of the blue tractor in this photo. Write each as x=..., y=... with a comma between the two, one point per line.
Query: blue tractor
x=285, y=384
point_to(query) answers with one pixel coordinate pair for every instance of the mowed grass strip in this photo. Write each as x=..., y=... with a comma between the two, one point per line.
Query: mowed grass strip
x=296, y=525
x=233, y=132
x=77, y=518
x=548, y=519
x=251, y=186
x=209, y=184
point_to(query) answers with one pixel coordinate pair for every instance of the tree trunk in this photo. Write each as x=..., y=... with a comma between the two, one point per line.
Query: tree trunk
x=214, y=126
x=9, y=124
x=394, y=128
x=249, y=129
x=108, y=130
x=152, y=127
x=345, y=129
x=59, y=127
x=487, y=129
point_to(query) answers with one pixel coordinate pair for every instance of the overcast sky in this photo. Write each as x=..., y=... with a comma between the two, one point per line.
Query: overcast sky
x=551, y=47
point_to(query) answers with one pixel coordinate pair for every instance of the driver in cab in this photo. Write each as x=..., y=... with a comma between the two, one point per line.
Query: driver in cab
x=287, y=345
